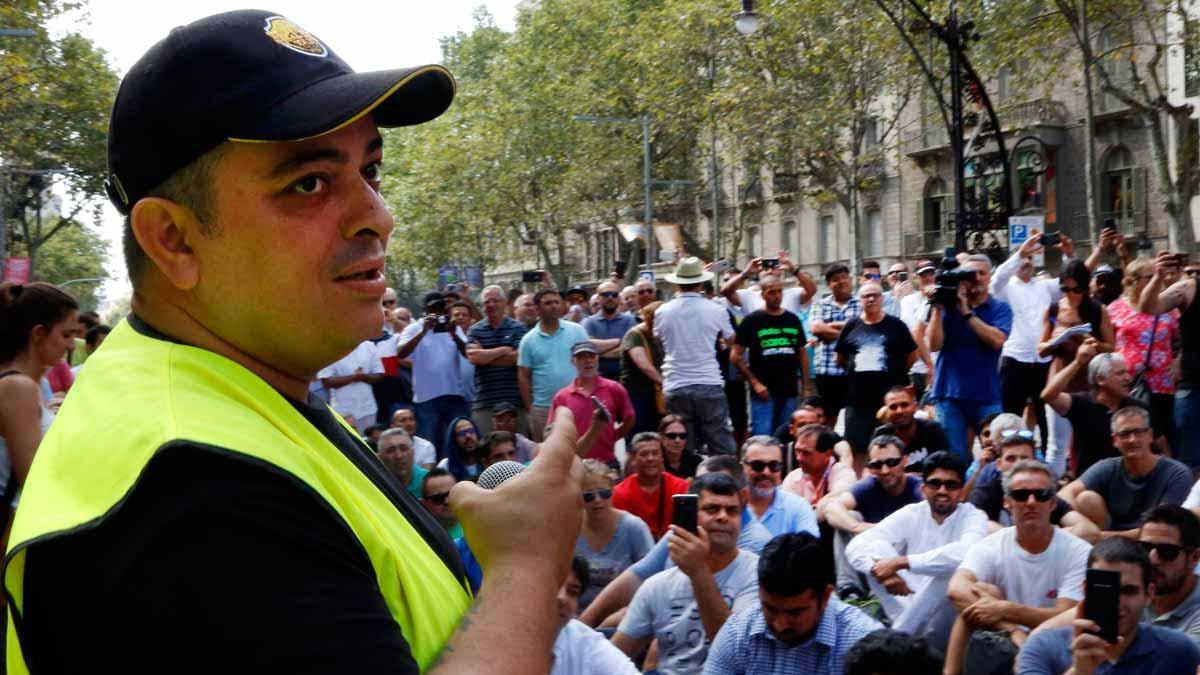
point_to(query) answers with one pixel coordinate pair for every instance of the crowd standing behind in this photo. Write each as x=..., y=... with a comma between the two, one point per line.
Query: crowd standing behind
x=1002, y=434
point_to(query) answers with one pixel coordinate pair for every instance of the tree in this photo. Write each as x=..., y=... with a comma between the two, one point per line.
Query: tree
x=77, y=252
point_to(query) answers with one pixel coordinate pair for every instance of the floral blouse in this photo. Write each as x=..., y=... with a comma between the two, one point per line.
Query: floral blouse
x=1133, y=338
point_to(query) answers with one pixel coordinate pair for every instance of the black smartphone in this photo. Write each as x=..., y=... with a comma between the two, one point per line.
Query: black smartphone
x=531, y=277
x=441, y=324
x=599, y=405
x=901, y=276
x=1051, y=239
x=1101, y=601
x=686, y=507
x=620, y=266
x=770, y=263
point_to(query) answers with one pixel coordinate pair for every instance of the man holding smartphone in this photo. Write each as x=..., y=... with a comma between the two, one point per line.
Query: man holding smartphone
x=597, y=403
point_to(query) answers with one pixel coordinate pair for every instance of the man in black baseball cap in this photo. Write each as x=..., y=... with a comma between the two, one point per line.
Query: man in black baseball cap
x=193, y=509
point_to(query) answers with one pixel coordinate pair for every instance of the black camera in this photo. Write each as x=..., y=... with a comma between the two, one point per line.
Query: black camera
x=949, y=277
x=441, y=324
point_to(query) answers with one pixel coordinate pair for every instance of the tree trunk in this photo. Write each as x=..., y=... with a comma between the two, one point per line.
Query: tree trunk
x=1089, y=129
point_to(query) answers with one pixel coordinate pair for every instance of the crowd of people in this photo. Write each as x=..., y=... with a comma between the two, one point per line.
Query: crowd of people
x=1002, y=432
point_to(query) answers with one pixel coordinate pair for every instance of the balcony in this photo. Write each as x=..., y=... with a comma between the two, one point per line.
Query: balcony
x=1043, y=117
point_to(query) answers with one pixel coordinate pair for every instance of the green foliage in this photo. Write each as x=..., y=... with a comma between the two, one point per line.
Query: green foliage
x=76, y=252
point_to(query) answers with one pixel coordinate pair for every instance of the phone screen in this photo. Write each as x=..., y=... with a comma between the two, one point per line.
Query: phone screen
x=1101, y=601
x=686, y=509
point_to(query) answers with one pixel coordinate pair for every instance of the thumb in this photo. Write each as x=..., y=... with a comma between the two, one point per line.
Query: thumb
x=464, y=493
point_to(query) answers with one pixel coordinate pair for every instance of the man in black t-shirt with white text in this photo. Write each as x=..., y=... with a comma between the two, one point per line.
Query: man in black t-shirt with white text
x=774, y=338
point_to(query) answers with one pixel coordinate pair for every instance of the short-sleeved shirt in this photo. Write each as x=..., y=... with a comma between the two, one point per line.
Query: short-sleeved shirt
x=753, y=538
x=1155, y=651
x=773, y=345
x=629, y=544
x=356, y=398
x=746, y=645
x=929, y=438
x=876, y=358
x=654, y=508
x=875, y=504
x=665, y=607
x=631, y=376
x=601, y=328
x=689, y=327
x=1139, y=333
x=436, y=369
x=549, y=359
x=827, y=310
x=1034, y=580
x=496, y=384
x=613, y=396
x=1129, y=498
x=988, y=496
x=580, y=650
x=752, y=301
x=417, y=481
x=787, y=514
x=1091, y=423
x=1185, y=617
x=967, y=368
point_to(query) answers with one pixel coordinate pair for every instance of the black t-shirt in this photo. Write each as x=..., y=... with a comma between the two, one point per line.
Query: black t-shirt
x=1090, y=421
x=773, y=344
x=214, y=564
x=876, y=358
x=929, y=438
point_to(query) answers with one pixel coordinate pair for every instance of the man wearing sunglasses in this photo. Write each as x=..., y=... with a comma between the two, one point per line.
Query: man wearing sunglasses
x=1115, y=492
x=778, y=510
x=922, y=437
x=606, y=328
x=909, y=557
x=435, y=494
x=1171, y=536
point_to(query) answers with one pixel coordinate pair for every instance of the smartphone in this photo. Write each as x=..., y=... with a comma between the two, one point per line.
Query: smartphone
x=1101, y=601
x=686, y=507
x=770, y=263
x=901, y=276
x=531, y=277
x=599, y=405
x=620, y=266
x=441, y=324
x=719, y=266
x=1051, y=239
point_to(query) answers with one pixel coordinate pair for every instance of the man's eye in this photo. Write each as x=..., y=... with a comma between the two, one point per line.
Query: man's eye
x=373, y=171
x=309, y=185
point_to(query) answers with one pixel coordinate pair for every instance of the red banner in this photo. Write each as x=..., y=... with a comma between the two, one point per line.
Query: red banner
x=16, y=269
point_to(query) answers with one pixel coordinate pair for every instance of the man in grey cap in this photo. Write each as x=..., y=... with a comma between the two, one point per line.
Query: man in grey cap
x=689, y=327
x=594, y=423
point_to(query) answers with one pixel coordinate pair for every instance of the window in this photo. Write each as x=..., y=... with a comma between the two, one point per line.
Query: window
x=754, y=241
x=935, y=210
x=828, y=239
x=788, y=239
x=1191, y=58
x=1004, y=83
x=1118, y=189
x=874, y=235
x=870, y=133
x=1116, y=63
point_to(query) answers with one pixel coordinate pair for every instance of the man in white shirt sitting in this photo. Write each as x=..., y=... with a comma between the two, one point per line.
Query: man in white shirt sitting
x=909, y=557
x=578, y=649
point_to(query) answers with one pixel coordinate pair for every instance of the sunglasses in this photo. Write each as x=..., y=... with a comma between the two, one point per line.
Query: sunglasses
x=1192, y=273
x=758, y=465
x=1166, y=552
x=936, y=484
x=891, y=462
x=1023, y=495
x=1071, y=289
x=1130, y=433
x=676, y=436
x=876, y=277
x=463, y=432
x=439, y=498
x=609, y=294
x=1017, y=433
x=389, y=303
x=601, y=493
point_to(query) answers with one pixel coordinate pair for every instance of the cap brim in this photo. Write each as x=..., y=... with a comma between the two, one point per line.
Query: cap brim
x=396, y=98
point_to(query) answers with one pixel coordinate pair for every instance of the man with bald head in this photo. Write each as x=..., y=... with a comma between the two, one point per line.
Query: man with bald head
x=643, y=293
x=876, y=349
x=606, y=327
x=770, y=354
x=492, y=347
x=525, y=310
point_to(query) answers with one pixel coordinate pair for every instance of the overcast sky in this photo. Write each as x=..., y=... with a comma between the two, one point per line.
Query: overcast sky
x=367, y=34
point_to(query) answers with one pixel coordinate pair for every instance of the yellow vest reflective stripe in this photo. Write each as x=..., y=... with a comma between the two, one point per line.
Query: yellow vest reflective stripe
x=137, y=395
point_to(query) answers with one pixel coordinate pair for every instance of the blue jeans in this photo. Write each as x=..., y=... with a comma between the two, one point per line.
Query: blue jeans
x=434, y=417
x=956, y=414
x=1187, y=426
x=766, y=416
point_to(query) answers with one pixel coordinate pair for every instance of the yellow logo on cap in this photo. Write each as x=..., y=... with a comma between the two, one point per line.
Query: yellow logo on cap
x=295, y=38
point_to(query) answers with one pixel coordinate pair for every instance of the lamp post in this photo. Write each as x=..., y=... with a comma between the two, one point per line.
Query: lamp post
x=647, y=177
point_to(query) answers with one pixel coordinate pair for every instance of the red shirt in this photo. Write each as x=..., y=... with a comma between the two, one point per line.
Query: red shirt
x=656, y=508
x=612, y=394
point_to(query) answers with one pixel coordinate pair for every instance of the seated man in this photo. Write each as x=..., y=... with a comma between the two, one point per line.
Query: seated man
x=779, y=511
x=892, y=652
x=1142, y=648
x=1016, y=578
x=811, y=411
x=684, y=607
x=988, y=494
x=1114, y=492
x=505, y=418
x=435, y=497
x=424, y=454
x=579, y=650
x=1171, y=537
x=817, y=471
x=647, y=492
x=499, y=446
x=797, y=626
x=910, y=556
x=396, y=453
x=921, y=437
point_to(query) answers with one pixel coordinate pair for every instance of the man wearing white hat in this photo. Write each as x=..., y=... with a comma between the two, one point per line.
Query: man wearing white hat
x=689, y=327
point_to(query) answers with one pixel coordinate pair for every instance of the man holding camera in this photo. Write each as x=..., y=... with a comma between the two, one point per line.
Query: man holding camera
x=969, y=328
x=438, y=392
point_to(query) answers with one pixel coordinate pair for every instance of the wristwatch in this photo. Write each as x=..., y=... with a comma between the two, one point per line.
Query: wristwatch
x=968, y=315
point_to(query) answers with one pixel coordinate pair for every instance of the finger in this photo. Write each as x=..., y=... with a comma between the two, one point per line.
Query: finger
x=463, y=494
x=558, y=450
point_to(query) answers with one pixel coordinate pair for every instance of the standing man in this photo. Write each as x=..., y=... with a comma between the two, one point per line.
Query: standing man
x=689, y=327
x=914, y=308
x=793, y=299
x=1158, y=298
x=525, y=310
x=350, y=380
x=544, y=359
x=969, y=334
x=775, y=340
x=210, y=447
x=644, y=294
x=437, y=346
x=606, y=328
x=829, y=316
x=899, y=287
x=875, y=349
x=777, y=510
x=597, y=435
x=492, y=347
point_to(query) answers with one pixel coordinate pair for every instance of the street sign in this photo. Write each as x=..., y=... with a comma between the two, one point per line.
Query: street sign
x=17, y=269
x=648, y=275
x=1020, y=229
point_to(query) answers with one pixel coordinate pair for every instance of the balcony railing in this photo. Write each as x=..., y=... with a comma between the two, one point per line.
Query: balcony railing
x=932, y=137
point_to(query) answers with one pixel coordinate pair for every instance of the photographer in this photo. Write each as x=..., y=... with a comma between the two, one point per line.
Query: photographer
x=969, y=328
x=439, y=395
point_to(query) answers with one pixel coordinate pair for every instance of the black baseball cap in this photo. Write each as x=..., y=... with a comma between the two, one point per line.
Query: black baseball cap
x=248, y=75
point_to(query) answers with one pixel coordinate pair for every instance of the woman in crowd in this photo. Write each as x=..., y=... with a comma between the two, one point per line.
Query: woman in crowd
x=676, y=456
x=1143, y=335
x=611, y=539
x=462, y=449
x=37, y=326
x=641, y=359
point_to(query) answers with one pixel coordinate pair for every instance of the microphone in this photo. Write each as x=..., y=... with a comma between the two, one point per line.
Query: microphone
x=495, y=475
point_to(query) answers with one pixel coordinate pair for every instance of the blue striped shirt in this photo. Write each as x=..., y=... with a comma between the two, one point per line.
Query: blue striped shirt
x=496, y=384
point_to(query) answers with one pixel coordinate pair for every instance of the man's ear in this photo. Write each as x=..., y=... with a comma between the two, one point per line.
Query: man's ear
x=163, y=230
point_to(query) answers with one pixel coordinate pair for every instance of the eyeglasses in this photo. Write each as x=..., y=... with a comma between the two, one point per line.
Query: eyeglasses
x=758, y=465
x=676, y=436
x=1071, y=289
x=439, y=498
x=646, y=291
x=1127, y=434
x=937, y=484
x=1166, y=552
x=1023, y=495
x=609, y=294
x=891, y=462
x=590, y=496
x=463, y=432
x=876, y=277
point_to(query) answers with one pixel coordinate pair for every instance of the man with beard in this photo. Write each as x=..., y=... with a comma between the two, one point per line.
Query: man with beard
x=606, y=327
x=685, y=607
x=797, y=626
x=396, y=453
x=1171, y=537
x=780, y=511
x=921, y=437
x=909, y=557
x=768, y=352
x=544, y=358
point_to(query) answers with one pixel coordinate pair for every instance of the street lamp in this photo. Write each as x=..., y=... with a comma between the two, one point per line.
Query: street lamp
x=747, y=21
